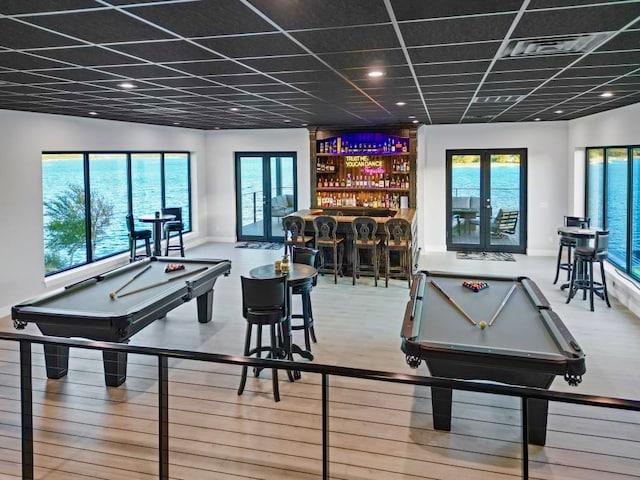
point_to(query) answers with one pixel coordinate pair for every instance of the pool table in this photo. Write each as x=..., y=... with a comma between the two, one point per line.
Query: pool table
x=86, y=309
x=527, y=344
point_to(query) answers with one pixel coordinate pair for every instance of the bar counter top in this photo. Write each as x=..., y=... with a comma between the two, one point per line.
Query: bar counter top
x=380, y=214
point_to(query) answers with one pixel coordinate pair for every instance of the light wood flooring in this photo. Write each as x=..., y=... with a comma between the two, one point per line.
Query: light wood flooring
x=378, y=431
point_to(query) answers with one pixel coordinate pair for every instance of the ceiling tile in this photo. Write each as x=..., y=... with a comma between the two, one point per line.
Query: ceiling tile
x=15, y=7
x=459, y=30
x=15, y=34
x=100, y=26
x=87, y=56
x=347, y=39
x=202, y=19
x=419, y=9
x=166, y=51
x=270, y=44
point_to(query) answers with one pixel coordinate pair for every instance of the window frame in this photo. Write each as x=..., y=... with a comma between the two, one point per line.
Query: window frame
x=603, y=203
x=86, y=154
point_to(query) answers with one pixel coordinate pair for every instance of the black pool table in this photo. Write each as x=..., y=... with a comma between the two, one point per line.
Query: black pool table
x=89, y=309
x=527, y=344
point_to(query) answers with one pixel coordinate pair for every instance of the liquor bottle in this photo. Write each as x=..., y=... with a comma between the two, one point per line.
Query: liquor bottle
x=380, y=181
x=342, y=183
x=387, y=182
x=348, y=180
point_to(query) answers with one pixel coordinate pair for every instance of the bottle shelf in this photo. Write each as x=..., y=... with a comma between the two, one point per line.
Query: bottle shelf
x=344, y=154
x=361, y=189
x=393, y=172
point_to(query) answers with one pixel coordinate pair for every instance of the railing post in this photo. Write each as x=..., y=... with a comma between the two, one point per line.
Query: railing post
x=26, y=409
x=163, y=417
x=325, y=426
x=525, y=438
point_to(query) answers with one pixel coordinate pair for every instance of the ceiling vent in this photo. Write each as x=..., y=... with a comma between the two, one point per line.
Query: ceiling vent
x=553, y=46
x=499, y=99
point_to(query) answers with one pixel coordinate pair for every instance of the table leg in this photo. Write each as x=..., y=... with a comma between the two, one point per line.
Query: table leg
x=115, y=367
x=538, y=421
x=441, y=405
x=56, y=358
x=157, y=236
x=205, y=307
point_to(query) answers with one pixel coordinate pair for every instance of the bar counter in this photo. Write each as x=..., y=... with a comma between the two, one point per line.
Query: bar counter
x=344, y=215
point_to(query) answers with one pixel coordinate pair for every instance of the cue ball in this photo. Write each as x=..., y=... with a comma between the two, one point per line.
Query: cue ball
x=483, y=325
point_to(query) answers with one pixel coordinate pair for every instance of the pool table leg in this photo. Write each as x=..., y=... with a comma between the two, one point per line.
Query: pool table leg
x=115, y=367
x=538, y=421
x=56, y=358
x=441, y=405
x=205, y=307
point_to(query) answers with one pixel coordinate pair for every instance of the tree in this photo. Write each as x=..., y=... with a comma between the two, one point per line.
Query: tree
x=66, y=228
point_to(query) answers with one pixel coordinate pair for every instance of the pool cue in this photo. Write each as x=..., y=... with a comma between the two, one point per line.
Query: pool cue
x=162, y=282
x=504, y=302
x=112, y=295
x=453, y=302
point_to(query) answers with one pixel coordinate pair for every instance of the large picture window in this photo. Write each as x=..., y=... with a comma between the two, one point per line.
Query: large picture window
x=87, y=195
x=613, y=181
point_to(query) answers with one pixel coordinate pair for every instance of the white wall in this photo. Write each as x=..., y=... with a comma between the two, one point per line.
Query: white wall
x=547, y=176
x=221, y=146
x=23, y=138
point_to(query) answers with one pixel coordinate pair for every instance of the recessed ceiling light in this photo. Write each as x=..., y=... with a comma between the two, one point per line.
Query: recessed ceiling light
x=216, y=128
x=375, y=73
x=126, y=85
x=537, y=119
x=559, y=111
x=234, y=109
x=412, y=116
x=287, y=121
x=305, y=124
x=606, y=94
x=414, y=121
x=176, y=123
x=401, y=104
x=93, y=113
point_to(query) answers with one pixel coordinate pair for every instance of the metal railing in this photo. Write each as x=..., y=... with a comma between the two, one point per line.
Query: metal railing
x=326, y=371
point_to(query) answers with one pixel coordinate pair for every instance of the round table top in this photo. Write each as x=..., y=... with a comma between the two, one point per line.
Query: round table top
x=163, y=217
x=578, y=232
x=298, y=272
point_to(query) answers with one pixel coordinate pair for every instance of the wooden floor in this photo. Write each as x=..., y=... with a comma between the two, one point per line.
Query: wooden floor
x=378, y=431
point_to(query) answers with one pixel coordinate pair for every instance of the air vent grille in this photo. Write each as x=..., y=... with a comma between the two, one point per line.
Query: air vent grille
x=553, y=46
x=499, y=99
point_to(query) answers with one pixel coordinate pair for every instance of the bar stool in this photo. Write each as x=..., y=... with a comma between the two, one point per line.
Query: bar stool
x=398, y=233
x=364, y=238
x=569, y=243
x=173, y=226
x=294, y=233
x=263, y=304
x=586, y=256
x=325, y=227
x=134, y=236
x=305, y=256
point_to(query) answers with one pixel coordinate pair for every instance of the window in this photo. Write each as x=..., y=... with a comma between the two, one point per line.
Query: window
x=88, y=194
x=613, y=181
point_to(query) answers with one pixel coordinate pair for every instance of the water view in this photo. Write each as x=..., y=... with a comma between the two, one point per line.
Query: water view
x=63, y=186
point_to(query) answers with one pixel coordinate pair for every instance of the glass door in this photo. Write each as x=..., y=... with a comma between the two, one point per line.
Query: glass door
x=265, y=192
x=486, y=200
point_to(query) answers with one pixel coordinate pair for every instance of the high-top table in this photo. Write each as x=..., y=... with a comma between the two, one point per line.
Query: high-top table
x=582, y=236
x=158, y=219
x=298, y=273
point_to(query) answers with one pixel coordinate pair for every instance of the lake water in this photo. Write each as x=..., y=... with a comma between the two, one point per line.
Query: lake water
x=108, y=178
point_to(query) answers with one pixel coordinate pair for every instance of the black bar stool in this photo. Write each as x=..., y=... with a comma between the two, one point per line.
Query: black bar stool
x=325, y=227
x=398, y=232
x=263, y=304
x=294, y=234
x=569, y=243
x=586, y=256
x=306, y=256
x=173, y=226
x=365, y=239
x=134, y=236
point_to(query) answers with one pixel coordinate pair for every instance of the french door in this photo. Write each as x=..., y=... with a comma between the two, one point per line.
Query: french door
x=487, y=200
x=265, y=192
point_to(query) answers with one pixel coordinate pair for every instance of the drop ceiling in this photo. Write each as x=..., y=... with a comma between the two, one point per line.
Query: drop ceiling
x=289, y=63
